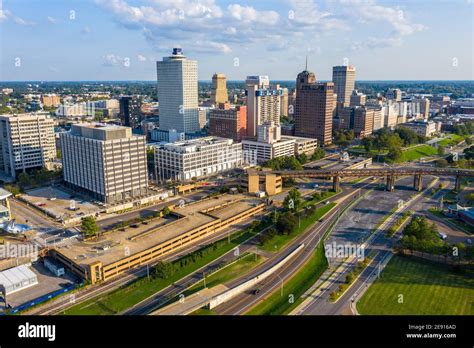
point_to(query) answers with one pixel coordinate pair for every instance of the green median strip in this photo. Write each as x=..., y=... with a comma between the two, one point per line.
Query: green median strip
x=131, y=294
x=350, y=278
x=278, y=241
x=293, y=289
x=237, y=268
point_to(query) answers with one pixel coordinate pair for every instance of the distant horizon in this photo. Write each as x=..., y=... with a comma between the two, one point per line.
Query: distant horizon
x=279, y=80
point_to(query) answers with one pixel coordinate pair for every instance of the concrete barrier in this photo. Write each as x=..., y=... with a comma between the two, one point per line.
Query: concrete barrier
x=231, y=293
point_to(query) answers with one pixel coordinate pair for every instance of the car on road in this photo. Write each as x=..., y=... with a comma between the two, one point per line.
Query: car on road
x=256, y=291
x=442, y=235
x=327, y=202
x=469, y=241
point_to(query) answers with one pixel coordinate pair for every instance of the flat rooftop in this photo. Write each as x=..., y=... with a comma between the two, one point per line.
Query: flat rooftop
x=120, y=244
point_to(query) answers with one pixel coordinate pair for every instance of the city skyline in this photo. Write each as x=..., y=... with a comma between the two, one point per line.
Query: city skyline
x=235, y=39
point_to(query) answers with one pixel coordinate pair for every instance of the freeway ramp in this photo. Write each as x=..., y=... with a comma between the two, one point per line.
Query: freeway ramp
x=193, y=302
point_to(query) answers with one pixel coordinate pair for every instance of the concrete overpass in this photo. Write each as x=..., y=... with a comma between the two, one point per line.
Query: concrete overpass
x=389, y=172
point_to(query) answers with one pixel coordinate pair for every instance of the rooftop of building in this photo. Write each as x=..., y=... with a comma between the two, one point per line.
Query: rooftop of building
x=111, y=247
x=4, y=193
x=100, y=131
x=31, y=115
x=193, y=145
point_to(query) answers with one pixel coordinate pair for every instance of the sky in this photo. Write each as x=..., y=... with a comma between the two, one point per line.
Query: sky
x=74, y=40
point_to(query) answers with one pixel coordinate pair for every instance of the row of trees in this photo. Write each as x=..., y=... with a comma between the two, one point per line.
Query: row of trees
x=392, y=142
x=420, y=235
x=294, y=163
x=466, y=129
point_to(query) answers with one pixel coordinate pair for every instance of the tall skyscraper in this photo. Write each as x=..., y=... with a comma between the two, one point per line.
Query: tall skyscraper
x=130, y=111
x=178, y=93
x=263, y=103
x=314, y=108
x=219, y=89
x=344, y=83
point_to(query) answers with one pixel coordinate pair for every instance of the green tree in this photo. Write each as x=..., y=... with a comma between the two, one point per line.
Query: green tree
x=318, y=154
x=441, y=151
x=166, y=211
x=89, y=226
x=293, y=200
x=286, y=223
x=164, y=270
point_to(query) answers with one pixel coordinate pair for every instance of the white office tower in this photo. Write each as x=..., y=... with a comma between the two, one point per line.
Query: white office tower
x=268, y=133
x=183, y=161
x=26, y=141
x=178, y=93
x=263, y=103
x=106, y=162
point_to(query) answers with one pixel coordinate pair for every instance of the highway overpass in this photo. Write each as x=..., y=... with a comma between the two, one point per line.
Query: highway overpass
x=389, y=172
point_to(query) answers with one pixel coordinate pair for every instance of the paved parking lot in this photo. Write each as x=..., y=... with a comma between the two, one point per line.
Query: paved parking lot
x=57, y=202
x=356, y=223
x=47, y=283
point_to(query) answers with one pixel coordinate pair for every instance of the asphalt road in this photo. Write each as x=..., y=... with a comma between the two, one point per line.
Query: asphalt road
x=382, y=246
x=243, y=302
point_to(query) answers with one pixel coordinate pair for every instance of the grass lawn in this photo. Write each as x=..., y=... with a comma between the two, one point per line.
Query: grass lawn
x=417, y=152
x=280, y=240
x=451, y=140
x=246, y=263
x=323, y=196
x=427, y=289
x=296, y=286
x=131, y=294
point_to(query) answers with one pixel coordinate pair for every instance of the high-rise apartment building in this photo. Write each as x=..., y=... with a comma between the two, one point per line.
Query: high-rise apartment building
x=106, y=162
x=130, y=111
x=228, y=122
x=219, y=89
x=182, y=161
x=363, y=121
x=344, y=83
x=314, y=108
x=263, y=103
x=178, y=93
x=26, y=141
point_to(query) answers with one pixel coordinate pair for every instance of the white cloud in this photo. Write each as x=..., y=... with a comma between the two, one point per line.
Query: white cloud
x=6, y=14
x=141, y=58
x=86, y=30
x=115, y=60
x=51, y=20
x=369, y=11
x=248, y=14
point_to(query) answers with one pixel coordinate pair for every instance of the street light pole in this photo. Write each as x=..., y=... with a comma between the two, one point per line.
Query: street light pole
x=281, y=288
x=204, y=278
